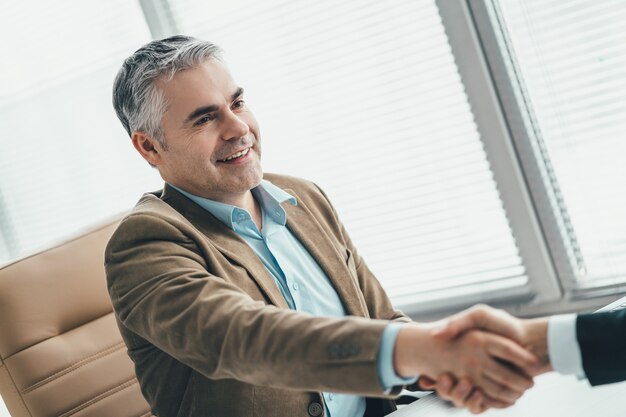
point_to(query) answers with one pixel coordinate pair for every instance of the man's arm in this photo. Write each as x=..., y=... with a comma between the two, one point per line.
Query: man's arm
x=162, y=290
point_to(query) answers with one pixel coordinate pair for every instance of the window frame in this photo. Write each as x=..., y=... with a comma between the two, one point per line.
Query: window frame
x=546, y=207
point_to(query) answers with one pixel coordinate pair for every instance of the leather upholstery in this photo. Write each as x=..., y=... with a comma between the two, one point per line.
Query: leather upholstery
x=61, y=353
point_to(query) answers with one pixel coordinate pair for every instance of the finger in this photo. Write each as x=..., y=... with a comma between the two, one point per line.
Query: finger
x=425, y=383
x=499, y=322
x=461, y=392
x=497, y=391
x=445, y=385
x=480, y=317
x=453, y=326
x=489, y=402
x=513, y=353
x=475, y=402
x=503, y=374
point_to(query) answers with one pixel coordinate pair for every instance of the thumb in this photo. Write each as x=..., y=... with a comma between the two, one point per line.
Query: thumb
x=480, y=317
x=448, y=329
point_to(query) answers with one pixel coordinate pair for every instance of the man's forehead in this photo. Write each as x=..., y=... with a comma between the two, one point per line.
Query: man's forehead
x=203, y=84
x=209, y=76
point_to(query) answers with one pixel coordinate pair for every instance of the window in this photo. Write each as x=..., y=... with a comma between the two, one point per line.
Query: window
x=384, y=104
x=566, y=61
x=364, y=98
x=65, y=162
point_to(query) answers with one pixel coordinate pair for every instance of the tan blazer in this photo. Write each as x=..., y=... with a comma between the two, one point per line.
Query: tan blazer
x=210, y=332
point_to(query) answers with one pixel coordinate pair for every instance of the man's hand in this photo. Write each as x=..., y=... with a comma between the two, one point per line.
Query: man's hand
x=495, y=364
x=532, y=334
x=462, y=393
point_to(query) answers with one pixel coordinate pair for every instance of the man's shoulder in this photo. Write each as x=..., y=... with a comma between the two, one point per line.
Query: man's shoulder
x=150, y=215
x=151, y=204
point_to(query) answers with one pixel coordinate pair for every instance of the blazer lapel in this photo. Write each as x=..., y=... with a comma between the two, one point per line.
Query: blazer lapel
x=311, y=234
x=227, y=242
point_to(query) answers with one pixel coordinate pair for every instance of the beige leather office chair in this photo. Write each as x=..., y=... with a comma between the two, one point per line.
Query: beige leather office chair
x=61, y=353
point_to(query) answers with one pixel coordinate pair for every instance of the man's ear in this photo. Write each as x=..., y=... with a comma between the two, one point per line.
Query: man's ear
x=148, y=147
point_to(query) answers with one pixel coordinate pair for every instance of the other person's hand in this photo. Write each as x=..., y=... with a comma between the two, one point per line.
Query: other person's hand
x=497, y=365
x=532, y=334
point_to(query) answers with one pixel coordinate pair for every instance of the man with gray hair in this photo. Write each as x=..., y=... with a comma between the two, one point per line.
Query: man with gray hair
x=241, y=294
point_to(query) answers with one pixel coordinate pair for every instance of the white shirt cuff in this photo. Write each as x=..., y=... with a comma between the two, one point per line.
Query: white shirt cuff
x=563, y=346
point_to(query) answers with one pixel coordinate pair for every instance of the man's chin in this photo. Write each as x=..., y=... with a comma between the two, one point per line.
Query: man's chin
x=249, y=182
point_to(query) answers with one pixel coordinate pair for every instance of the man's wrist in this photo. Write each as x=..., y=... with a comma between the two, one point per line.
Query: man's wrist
x=386, y=371
x=411, y=345
x=536, y=340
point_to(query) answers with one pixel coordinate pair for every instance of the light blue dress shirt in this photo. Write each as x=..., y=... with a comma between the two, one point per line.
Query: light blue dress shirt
x=301, y=280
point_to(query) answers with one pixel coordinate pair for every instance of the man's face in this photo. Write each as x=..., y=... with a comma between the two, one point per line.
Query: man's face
x=206, y=124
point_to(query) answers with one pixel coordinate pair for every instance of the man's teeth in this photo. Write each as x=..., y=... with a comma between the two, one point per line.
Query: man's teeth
x=237, y=155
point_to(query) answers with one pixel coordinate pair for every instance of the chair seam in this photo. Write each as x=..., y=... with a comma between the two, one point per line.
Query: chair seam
x=89, y=359
x=59, y=334
x=101, y=397
x=22, y=401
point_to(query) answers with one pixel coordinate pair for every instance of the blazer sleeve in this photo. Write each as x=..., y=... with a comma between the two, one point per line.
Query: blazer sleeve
x=162, y=290
x=602, y=340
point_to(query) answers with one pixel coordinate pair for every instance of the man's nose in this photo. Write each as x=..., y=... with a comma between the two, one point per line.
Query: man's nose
x=234, y=127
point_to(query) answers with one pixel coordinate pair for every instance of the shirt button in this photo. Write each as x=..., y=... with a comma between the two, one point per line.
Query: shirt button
x=295, y=286
x=241, y=217
x=315, y=409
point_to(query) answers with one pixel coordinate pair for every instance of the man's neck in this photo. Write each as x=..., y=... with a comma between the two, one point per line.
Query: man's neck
x=244, y=200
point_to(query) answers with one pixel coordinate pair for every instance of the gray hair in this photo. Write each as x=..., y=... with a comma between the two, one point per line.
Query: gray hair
x=138, y=102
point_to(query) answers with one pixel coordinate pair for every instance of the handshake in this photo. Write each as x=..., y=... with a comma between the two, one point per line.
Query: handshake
x=480, y=358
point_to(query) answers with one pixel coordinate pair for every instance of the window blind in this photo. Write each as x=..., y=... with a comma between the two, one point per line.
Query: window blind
x=570, y=59
x=364, y=98
x=65, y=160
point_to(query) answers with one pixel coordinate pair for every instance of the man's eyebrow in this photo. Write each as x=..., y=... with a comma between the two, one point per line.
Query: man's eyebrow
x=238, y=93
x=211, y=108
x=199, y=112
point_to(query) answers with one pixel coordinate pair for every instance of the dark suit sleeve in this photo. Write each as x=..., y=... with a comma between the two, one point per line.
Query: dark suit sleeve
x=602, y=340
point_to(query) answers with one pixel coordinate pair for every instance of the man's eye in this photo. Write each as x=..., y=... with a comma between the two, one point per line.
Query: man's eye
x=204, y=120
x=239, y=104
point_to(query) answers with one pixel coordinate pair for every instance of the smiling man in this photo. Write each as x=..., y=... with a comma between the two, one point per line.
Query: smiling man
x=241, y=294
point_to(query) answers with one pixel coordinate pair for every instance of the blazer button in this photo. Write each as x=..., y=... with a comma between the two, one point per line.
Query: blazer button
x=315, y=409
x=334, y=351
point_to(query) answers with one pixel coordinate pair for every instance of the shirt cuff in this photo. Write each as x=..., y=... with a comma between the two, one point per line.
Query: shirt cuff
x=563, y=347
x=386, y=372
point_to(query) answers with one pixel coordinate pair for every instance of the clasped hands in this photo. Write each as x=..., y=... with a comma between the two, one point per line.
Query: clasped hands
x=480, y=358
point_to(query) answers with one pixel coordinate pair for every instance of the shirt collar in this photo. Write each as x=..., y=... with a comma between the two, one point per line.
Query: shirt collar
x=267, y=194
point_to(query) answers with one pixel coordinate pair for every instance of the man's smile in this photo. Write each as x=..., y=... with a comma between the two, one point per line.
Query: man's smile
x=236, y=157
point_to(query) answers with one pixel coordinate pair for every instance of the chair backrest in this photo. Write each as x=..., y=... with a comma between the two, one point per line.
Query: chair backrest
x=61, y=353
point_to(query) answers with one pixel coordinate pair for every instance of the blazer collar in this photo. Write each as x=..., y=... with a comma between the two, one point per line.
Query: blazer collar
x=330, y=257
x=301, y=223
